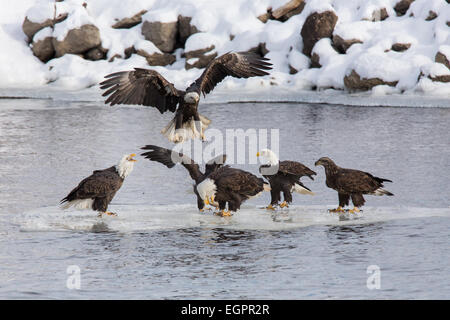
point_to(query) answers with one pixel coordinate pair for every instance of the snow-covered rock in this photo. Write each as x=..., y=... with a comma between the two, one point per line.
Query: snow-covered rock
x=318, y=25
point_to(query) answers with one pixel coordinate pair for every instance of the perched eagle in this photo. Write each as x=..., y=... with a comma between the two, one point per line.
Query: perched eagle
x=232, y=186
x=283, y=176
x=96, y=191
x=171, y=158
x=351, y=183
x=149, y=88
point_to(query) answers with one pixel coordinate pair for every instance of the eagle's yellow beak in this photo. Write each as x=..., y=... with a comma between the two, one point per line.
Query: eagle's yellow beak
x=257, y=154
x=130, y=157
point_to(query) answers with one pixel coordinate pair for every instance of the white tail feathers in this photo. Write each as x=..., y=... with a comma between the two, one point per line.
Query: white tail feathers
x=188, y=131
x=78, y=204
x=302, y=190
x=382, y=192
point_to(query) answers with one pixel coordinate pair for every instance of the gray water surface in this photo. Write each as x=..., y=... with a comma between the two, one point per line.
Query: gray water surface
x=161, y=247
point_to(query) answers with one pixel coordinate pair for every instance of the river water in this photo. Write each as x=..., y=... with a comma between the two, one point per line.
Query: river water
x=160, y=247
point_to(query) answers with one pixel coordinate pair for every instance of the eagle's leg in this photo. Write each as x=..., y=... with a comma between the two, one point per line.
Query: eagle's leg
x=338, y=209
x=270, y=207
x=109, y=213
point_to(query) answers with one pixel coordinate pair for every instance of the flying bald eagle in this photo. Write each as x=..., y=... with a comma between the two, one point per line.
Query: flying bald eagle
x=170, y=158
x=149, y=88
x=96, y=191
x=351, y=183
x=283, y=176
x=230, y=186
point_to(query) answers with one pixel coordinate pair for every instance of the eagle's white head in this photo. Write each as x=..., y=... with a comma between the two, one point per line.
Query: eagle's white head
x=125, y=165
x=191, y=97
x=269, y=155
x=206, y=190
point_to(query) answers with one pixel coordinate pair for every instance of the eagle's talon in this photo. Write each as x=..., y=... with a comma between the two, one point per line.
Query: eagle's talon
x=284, y=204
x=270, y=207
x=338, y=210
x=354, y=210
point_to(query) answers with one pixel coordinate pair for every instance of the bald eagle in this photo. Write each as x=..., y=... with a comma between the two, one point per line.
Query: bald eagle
x=96, y=191
x=149, y=88
x=170, y=158
x=351, y=183
x=283, y=176
x=230, y=186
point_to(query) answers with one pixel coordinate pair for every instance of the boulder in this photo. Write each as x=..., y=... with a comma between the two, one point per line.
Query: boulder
x=95, y=54
x=402, y=6
x=443, y=78
x=442, y=58
x=43, y=49
x=260, y=49
x=316, y=27
x=379, y=15
x=400, y=47
x=431, y=15
x=284, y=12
x=185, y=30
x=354, y=82
x=30, y=28
x=341, y=45
x=156, y=58
x=127, y=23
x=78, y=41
x=162, y=34
x=315, y=61
x=199, y=58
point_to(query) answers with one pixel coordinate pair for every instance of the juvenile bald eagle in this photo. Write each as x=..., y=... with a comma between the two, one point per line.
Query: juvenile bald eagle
x=230, y=186
x=170, y=158
x=149, y=88
x=283, y=176
x=96, y=191
x=351, y=183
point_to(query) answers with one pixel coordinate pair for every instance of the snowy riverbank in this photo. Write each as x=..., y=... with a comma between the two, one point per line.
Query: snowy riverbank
x=396, y=51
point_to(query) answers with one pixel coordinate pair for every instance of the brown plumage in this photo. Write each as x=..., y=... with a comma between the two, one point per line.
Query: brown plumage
x=96, y=191
x=350, y=183
x=230, y=186
x=149, y=88
x=170, y=158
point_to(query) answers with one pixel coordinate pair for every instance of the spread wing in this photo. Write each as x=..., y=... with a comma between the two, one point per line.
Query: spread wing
x=170, y=158
x=356, y=181
x=142, y=87
x=296, y=169
x=236, y=64
x=101, y=183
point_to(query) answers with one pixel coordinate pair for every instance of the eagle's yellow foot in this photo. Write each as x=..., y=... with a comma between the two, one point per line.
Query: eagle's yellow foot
x=284, y=204
x=270, y=207
x=224, y=213
x=109, y=213
x=354, y=210
x=338, y=209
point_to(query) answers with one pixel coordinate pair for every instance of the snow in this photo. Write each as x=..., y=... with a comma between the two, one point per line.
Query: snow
x=220, y=21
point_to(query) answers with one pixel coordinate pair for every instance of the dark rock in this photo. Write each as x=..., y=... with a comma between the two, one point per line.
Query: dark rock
x=444, y=78
x=380, y=15
x=129, y=51
x=260, y=49
x=162, y=34
x=203, y=56
x=354, y=82
x=78, y=41
x=402, y=6
x=157, y=59
x=315, y=61
x=43, y=49
x=441, y=58
x=185, y=30
x=127, y=23
x=30, y=28
x=431, y=16
x=316, y=27
x=341, y=45
x=400, y=47
x=292, y=70
x=95, y=54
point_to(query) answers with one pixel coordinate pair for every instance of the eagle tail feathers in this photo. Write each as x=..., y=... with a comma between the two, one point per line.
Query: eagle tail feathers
x=187, y=132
